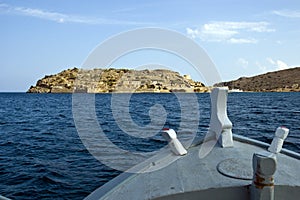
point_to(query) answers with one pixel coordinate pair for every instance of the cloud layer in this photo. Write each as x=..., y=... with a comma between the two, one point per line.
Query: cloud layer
x=61, y=17
x=287, y=13
x=272, y=65
x=226, y=31
x=243, y=63
x=278, y=64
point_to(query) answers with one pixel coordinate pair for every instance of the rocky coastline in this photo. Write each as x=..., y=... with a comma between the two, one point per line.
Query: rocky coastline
x=158, y=80
x=287, y=80
x=117, y=80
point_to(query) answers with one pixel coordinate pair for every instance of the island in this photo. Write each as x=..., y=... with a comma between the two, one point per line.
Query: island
x=117, y=80
x=158, y=80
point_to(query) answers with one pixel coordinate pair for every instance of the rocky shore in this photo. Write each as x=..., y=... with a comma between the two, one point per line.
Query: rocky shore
x=159, y=80
x=279, y=81
x=116, y=80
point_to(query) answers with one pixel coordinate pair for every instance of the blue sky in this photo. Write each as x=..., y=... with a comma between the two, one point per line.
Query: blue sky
x=243, y=38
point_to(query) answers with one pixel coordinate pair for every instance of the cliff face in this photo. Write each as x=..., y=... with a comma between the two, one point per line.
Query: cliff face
x=280, y=81
x=116, y=80
x=62, y=82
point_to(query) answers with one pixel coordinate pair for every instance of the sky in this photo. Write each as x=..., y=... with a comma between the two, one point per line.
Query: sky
x=242, y=38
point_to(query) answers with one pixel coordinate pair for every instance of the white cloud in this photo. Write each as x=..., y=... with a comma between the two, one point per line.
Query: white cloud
x=192, y=33
x=63, y=18
x=242, y=62
x=272, y=65
x=242, y=41
x=221, y=31
x=282, y=65
x=287, y=13
x=271, y=61
x=278, y=64
x=261, y=67
x=58, y=17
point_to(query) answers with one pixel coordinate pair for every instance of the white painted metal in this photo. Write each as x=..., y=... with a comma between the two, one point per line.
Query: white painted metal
x=174, y=144
x=264, y=167
x=280, y=135
x=4, y=198
x=220, y=126
x=192, y=178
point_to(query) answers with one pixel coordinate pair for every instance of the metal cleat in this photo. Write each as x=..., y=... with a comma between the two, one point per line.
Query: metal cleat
x=264, y=167
x=277, y=142
x=175, y=145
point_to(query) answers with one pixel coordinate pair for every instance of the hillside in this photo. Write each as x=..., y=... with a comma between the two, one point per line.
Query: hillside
x=116, y=80
x=279, y=81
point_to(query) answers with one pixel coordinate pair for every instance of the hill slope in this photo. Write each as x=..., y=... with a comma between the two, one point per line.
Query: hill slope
x=116, y=80
x=279, y=81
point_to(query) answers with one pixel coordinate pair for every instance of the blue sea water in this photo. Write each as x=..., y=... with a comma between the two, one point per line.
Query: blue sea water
x=43, y=157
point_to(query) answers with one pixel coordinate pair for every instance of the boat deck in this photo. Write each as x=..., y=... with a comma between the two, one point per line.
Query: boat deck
x=190, y=177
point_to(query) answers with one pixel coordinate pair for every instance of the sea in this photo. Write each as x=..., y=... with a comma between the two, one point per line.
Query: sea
x=43, y=156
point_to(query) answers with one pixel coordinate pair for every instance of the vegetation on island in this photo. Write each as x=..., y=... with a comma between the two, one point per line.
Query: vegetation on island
x=287, y=80
x=116, y=80
x=158, y=80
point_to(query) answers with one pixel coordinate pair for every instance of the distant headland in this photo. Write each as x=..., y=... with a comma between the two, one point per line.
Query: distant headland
x=117, y=80
x=158, y=80
x=287, y=80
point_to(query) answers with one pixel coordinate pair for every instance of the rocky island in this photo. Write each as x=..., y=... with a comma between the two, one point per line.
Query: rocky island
x=287, y=80
x=158, y=80
x=116, y=80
